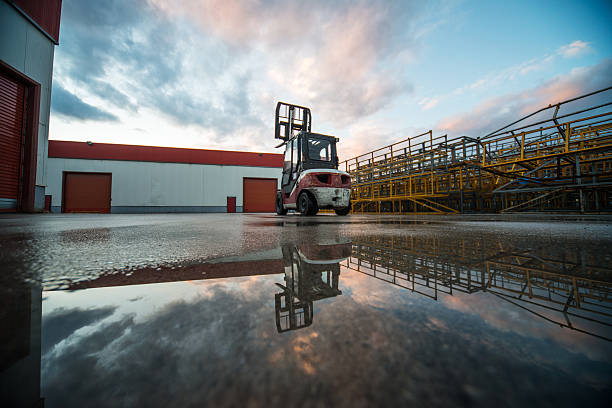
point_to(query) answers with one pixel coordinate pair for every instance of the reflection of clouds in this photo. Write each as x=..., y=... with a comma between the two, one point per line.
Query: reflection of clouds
x=184, y=343
x=436, y=324
x=61, y=323
x=305, y=353
x=498, y=314
x=222, y=348
x=510, y=318
x=494, y=311
x=369, y=291
x=247, y=286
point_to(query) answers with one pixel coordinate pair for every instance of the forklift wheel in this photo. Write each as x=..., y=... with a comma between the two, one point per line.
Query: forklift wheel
x=343, y=211
x=280, y=208
x=306, y=205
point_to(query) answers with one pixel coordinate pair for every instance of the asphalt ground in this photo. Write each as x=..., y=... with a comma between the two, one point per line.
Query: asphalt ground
x=59, y=249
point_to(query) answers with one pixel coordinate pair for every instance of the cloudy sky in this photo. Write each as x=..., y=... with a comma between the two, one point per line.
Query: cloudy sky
x=208, y=73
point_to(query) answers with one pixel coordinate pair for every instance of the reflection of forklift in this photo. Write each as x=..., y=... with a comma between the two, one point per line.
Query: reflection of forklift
x=311, y=273
x=311, y=179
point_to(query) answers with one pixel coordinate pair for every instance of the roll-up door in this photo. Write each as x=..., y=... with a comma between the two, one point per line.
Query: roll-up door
x=259, y=194
x=12, y=100
x=87, y=192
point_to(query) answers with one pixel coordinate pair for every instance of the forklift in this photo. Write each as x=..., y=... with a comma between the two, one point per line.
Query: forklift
x=312, y=273
x=311, y=180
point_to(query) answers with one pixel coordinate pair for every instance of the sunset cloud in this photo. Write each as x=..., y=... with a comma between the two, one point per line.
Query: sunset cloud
x=495, y=112
x=324, y=56
x=208, y=74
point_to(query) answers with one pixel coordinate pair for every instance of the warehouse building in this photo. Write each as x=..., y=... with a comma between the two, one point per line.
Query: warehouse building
x=29, y=31
x=59, y=176
x=114, y=178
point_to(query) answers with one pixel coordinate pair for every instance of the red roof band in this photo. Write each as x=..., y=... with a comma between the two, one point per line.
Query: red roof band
x=107, y=151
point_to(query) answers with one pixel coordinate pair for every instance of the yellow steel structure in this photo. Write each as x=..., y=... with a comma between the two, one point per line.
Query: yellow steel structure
x=546, y=165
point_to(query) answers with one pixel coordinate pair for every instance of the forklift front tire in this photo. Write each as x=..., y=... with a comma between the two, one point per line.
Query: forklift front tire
x=280, y=208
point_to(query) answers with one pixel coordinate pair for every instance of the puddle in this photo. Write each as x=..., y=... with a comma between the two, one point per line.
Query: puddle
x=472, y=319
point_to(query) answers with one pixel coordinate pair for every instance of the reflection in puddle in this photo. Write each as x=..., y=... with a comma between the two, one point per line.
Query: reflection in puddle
x=299, y=221
x=311, y=273
x=567, y=288
x=416, y=313
x=20, y=340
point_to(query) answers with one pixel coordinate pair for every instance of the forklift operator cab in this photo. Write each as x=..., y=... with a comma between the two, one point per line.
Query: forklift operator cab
x=307, y=151
x=311, y=179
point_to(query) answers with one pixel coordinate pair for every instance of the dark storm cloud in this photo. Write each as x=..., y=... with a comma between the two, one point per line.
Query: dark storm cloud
x=69, y=105
x=143, y=45
x=63, y=322
x=97, y=36
x=112, y=95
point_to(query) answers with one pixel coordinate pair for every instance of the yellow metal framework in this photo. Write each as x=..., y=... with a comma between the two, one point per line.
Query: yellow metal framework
x=546, y=165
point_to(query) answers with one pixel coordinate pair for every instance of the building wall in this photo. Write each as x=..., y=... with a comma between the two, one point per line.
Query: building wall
x=161, y=187
x=29, y=51
x=45, y=14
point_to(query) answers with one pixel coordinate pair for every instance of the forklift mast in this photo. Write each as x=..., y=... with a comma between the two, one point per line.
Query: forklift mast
x=290, y=120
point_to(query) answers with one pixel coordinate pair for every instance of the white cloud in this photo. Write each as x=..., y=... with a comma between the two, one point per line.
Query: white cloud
x=574, y=49
x=510, y=73
x=209, y=72
x=497, y=78
x=372, y=134
x=331, y=57
x=428, y=103
x=500, y=110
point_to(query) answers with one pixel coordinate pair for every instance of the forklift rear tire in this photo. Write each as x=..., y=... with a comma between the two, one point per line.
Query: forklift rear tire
x=280, y=208
x=343, y=211
x=306, y=205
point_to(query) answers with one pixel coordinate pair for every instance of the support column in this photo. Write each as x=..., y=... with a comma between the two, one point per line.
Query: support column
x=579, y=180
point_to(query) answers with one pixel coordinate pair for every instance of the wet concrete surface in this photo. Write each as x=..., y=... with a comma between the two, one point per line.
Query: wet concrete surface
x=260, y=310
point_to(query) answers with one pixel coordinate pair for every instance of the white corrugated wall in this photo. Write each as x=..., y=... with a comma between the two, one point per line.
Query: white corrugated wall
x=152, y=187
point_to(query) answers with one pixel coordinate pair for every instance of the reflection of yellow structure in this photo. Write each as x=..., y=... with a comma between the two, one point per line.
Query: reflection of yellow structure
x=311, y=273
x=561, y=163
x=569, y=286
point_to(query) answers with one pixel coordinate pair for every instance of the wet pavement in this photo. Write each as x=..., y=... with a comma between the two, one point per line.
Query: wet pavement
x=259, y=310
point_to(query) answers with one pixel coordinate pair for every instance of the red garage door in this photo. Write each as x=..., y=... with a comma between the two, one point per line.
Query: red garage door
x=12, y=98
x=87, y=192
x=258, y=194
